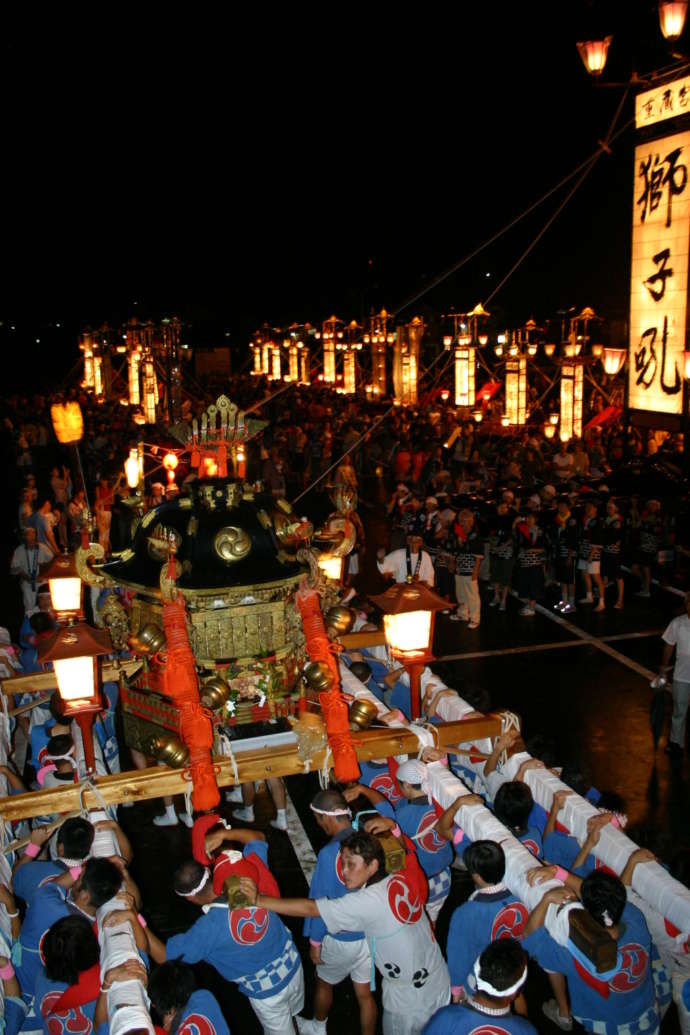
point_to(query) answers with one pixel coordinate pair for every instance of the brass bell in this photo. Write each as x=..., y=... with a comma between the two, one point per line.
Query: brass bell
x=151, y=638
x=362, y=713
x=340, y=618
x=318, y=676
x=215, y=692
x=167, y=748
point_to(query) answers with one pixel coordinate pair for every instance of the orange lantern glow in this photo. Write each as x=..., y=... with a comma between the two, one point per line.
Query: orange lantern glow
x=170, y=462
x=672, y=15
x=68, y=422
x=594, y=54
x=613, y=360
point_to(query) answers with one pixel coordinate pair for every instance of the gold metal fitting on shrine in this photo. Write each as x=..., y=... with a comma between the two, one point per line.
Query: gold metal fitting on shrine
x=151, y=638
x=215, y=693
x=362, y=713
x=168, y=749
x=340, y=618
x=318, y=676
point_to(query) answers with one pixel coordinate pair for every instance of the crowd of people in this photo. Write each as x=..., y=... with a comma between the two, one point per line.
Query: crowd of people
x=461, y=502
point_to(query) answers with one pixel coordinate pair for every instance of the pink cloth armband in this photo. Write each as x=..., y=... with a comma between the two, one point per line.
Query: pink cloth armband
x=75, y=871
x=7, y=972
x=141, y=920
x=561, y=874
x=456, y=990
x=312, y=942
x=32, y=850
x=396, y=831
x=458, y=836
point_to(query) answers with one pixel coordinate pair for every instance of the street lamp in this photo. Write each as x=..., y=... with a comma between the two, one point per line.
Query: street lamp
x=409, y=610
x=594, y=54
x=613, y=360
x=672, y=17
x=74, y=652
x=65, y=587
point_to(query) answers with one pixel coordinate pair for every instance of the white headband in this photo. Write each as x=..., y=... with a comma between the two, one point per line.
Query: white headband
x=499, y=993
x=197, y=889
x=67, y=757
x=331, y=812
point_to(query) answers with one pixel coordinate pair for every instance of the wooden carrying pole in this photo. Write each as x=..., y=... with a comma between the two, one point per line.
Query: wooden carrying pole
x=36, y=681
x=282, y=760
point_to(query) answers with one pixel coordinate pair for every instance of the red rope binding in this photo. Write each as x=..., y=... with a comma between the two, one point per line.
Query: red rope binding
x=333, y=706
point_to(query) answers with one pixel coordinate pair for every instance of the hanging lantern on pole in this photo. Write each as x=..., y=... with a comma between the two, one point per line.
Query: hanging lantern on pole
x=613, y=360
x=516, y=391
x=465, y=367
x=572, y=379
x=133, y=364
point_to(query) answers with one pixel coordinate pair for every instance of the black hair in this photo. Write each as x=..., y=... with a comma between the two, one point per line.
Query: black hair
x=102, y=880
x=369, y=848
x=576, y=776
x=513, y=804
x=329, y=800
x=611, y=801
x=44, y=588
x=603, y=893
x=187, y=876
x=76, y=837
x=59, y=745
x=170, y=986
x=544, y=748
x=41, y=622
x=487, y=859
x=502, y=963
x=69, y=948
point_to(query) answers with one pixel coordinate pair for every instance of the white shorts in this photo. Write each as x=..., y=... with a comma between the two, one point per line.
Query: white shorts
x=275, y=1012
x=344, y=959
x=435, y=907
x=591, y=567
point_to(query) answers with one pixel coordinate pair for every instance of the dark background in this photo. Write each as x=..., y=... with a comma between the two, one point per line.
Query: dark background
x=281, y=166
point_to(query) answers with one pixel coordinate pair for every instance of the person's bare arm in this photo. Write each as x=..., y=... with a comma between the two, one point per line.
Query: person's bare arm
x=641, y=855
x=373, y=796
x=39, y=837
x=554, y=896
x=505, y=742
x=557, y=803
x=284, y=906
x=444, y=825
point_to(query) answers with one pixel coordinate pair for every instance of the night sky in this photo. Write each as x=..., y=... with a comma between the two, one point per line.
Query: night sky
x=292, y=165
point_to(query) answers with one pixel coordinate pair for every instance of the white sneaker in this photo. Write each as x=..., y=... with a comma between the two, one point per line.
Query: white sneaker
x=246, y=814
x=234, y=795
x=495, y=602
x=186, y=819
x=473, y=625
x=527, y=612
x=560, y=605
x=583, y=600
x=165, y=820
x=550, y=1010
x=568, y=609
x=309, y=1027
x=502, y=607
x=279, y=824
